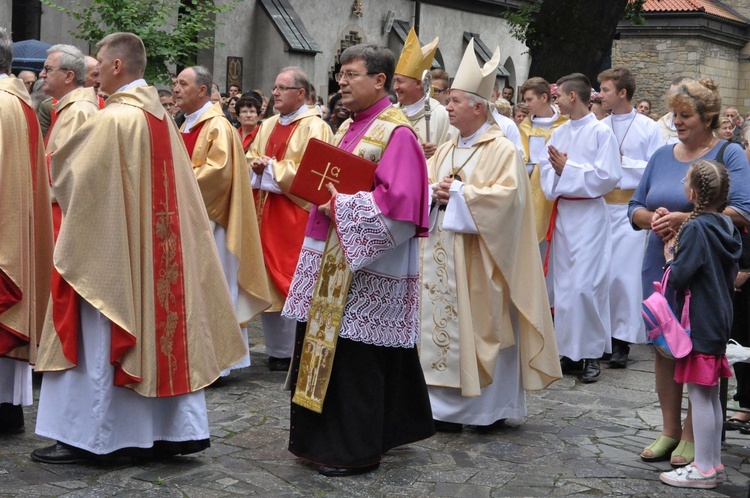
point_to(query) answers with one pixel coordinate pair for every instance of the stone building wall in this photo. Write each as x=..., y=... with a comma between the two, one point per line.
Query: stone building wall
x=656, y=61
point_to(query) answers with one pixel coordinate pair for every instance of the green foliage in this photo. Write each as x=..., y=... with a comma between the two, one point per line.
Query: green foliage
x=521, y=26
x=633, y=12
x=172, y=31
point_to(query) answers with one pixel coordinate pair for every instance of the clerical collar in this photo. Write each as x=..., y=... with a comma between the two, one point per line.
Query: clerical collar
x=623, y=117
x=286, y=119
x=191, y=118
x=138, y=82
x=546, y=122
x=414, y=108
x=472, y=139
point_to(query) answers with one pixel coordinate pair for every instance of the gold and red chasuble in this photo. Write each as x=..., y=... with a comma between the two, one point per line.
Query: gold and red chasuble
x=282, y=222
x=173, y=373
x=191, y=137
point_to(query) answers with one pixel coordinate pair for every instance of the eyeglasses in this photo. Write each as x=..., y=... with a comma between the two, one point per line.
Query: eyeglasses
x=438, y=91
x=48, y=69
x=350, y=75
x=280, y=88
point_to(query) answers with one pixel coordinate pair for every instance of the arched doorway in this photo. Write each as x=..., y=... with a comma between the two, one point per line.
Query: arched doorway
x=511, y=68
x=352, y=35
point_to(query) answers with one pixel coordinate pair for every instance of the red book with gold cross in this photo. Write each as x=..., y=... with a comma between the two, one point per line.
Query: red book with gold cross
x=323, y=163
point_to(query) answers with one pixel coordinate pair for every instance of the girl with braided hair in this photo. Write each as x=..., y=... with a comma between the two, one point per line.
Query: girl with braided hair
x=705, y=251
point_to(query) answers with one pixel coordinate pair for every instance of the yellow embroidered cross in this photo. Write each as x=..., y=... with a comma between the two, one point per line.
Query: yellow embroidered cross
x=324, y=176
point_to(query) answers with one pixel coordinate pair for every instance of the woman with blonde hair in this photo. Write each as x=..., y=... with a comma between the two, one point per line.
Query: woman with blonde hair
x=661, y=205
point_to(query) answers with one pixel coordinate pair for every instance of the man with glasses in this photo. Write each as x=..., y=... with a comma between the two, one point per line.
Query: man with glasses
x=25, y=242
x=274, y=157
x=361, y=372
x=407, y=83
x=440, y=84
x=218, y=158
x=64, y=76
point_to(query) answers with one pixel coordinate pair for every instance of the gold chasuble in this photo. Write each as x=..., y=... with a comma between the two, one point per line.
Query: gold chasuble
x=283, y=217
x=542, y=207
x=72, y=111
x=334, y=280
x=224, y=181
x=471, y=282
x=25, y=225
x=136, y=243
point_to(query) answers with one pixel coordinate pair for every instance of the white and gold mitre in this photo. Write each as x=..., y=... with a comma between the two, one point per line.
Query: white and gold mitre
x=415, y=60
x=474, y=79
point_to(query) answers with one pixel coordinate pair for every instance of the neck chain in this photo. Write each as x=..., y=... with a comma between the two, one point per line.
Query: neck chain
x=364, y=129
x=700, y=153
x=612, y=124
x=454, y=171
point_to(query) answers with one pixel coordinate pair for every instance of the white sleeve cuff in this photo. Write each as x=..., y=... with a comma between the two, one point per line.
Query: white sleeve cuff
x=268, y=182
x=457, y=216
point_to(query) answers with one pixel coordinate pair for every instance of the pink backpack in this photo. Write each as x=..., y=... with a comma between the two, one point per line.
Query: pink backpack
x=670, y=337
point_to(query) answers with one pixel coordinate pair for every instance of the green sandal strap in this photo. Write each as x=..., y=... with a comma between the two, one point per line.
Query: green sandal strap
x=661, y=447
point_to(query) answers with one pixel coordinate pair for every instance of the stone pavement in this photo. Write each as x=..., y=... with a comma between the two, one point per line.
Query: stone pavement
x=578, y=439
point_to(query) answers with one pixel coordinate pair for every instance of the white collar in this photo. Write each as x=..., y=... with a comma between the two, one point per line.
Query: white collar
x=286, y=119
x=138, y=82
x=623, y=117
x=545, y=122
x=4, y=75
x=472, y=139
x=191, y=118
x=414, y=108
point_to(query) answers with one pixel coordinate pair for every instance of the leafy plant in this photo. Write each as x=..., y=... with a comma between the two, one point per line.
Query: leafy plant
x=173, y=31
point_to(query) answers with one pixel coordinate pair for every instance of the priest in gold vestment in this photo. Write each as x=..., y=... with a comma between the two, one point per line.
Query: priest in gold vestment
x=274, y=157
x=156, y=322
x=219, y=164
x=25, y=242
x=486, y=327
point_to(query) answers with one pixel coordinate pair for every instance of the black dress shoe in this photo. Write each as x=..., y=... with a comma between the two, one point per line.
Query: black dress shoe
x=441, y=426
x=11, y=419
x=591, y=371
x=331, y=471
x=61, y=453
x=278, y=364
x=619, y=359
x=569, y=366
x=494, y=426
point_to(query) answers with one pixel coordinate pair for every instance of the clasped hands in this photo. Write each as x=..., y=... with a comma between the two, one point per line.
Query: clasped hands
x=441, y=191
x=666, y=224
x=259, y=164
x=557, y=159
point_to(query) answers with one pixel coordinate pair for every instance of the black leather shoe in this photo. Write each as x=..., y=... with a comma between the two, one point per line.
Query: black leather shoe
x=11, y=419
x=61, y=453
x=591, y=371
x=494, y=426
x=569, y=366
x=619, y=359
x=331, y=471
x=278, y=364
x=441, y=426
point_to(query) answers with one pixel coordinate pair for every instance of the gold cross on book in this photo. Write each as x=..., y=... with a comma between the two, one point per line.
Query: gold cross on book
x=324, y=176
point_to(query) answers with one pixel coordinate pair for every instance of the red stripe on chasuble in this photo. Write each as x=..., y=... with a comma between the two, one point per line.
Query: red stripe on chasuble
x=172, y=369
x=10, y=294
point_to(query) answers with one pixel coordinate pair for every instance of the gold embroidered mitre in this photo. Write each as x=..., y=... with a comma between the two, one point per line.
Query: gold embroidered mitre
x=415, y=60
x=474, y=79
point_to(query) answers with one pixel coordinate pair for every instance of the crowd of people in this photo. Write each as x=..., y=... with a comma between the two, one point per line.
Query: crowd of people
x=501, y=245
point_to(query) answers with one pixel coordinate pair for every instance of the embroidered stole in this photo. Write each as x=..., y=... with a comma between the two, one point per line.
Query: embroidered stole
x=334, y=279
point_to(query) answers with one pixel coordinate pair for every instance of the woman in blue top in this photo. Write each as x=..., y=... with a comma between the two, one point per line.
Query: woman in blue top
x=660, y=204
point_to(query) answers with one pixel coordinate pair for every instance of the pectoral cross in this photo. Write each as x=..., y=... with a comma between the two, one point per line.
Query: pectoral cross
x=324, y=176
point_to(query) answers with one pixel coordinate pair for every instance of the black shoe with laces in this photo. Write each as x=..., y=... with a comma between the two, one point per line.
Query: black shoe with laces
x=591, y=371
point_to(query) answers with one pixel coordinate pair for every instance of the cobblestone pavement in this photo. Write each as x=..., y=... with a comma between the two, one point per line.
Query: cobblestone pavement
x=578, y=439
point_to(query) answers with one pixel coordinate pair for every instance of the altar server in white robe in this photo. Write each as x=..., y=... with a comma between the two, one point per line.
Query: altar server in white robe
x=579, y=166
x=407, y=84
x=481, y=256
x=637, y=137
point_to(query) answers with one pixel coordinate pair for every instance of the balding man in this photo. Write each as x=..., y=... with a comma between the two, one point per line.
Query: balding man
x=28, y=78
x=734, y=116
x=274, y=157
x=153, y=322
x=25, y=242
x=219, y=165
